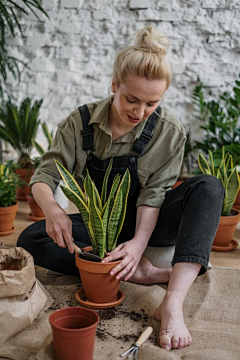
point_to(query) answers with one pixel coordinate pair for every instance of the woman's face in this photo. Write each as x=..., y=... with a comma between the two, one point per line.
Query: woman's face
x=135, y=100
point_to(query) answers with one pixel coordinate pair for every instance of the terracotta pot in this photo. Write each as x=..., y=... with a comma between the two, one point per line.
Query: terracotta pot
x=179, y=182
x=25, y=175
x=36, y=212
x=74, y=331
x=236, y=205
x=99, y=286
x=7, y=217
x=226, y=229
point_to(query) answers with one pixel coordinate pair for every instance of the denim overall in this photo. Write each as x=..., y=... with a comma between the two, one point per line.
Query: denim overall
x=188, y=218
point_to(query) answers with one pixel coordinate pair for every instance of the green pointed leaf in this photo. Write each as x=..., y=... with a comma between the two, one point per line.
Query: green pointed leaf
x=97, y=226
x=118, y=212
x=105, y=182
x=69, y=180
x=231, y=191
x=203, y=165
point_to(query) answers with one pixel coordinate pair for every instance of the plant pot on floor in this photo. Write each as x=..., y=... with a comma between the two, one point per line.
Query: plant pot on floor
x=223, y=240
x=74, y=331
x=7, y=217
x=99, y=286
x=36, y=213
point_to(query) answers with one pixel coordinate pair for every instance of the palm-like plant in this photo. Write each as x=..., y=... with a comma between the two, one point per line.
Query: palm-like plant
x=49, y=137
x=103, y=216
x=18, y=127
x=227, y=173
x=9, y=22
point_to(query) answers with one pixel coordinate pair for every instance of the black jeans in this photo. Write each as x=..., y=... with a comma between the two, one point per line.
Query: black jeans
x=188, y=218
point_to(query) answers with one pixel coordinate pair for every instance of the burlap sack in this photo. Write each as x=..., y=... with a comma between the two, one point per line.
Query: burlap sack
x=22, y=297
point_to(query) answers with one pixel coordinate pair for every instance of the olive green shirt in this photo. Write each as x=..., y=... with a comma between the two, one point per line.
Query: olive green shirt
x=158, y=166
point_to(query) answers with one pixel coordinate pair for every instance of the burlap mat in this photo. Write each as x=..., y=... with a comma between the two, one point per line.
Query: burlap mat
x=211, y=311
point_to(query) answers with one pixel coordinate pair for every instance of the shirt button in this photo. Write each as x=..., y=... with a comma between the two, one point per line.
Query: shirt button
x=132, y=160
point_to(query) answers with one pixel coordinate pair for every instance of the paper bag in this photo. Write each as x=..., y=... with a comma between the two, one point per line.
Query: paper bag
x=22, y=296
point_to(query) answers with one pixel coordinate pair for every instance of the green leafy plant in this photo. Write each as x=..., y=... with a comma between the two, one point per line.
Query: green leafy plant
x=103, y=216
x=227, y=173
x=189, y=163
x=18, y=127
x=49, y=137
x=10, y=12
x=9, y=182
x=219, y=118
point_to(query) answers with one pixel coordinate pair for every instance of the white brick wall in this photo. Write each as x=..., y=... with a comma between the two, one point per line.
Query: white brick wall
x=71, y=55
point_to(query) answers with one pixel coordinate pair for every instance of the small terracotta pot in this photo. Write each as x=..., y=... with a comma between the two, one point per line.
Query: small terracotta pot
x=236, y=205
x=74, y=331
x=99, y=286
x=226, y=229
x=36, y=212
x=7, y=217
x=24, y=175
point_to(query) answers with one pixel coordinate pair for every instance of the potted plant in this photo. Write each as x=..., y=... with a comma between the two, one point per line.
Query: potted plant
x=228, y=175
x=9, y=182
x=103, y=217
x=18, y=127
x=219, y=118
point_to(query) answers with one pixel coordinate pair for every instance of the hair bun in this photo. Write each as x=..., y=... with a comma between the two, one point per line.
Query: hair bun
x=150, y=40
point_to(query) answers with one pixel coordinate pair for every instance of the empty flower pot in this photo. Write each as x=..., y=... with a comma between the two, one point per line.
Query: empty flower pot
x=74, y=331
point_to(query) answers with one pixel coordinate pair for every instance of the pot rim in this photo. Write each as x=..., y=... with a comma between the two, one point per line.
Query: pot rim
x=74, y=330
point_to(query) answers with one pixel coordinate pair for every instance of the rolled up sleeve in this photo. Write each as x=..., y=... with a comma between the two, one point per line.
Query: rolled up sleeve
x=63, y=150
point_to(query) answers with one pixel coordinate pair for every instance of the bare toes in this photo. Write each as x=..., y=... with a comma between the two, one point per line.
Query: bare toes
x=165, y=342
x=175, y=342
x=181, y=342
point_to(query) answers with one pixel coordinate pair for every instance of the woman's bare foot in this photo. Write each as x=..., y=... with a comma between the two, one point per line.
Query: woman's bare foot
x=146, y=273
x=173, y=331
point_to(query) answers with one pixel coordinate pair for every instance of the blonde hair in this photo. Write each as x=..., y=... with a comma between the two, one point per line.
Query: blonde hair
x=145, y=58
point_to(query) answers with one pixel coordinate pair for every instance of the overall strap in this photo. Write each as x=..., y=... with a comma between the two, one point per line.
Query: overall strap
x=147, y=132
x=87, y=131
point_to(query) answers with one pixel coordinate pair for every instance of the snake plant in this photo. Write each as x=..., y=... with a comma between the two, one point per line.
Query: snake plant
x=102, y=215
x=227, y=173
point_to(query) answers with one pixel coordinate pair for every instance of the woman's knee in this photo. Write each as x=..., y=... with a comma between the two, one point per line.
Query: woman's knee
x=208, y=185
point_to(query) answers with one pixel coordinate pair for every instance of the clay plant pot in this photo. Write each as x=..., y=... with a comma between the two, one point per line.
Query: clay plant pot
x=236, y=205
x=99, y=286
x=74, y=331
x=36, y=212
x=24, y=175
x=7, y=217
x=226, y=229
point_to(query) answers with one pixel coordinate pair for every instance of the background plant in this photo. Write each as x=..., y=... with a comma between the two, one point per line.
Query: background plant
x=9, y=182
x=227, y=173
x=219, y=118
x=49, y=137
x=103, y=216
x=10, y=12
x=18, y=127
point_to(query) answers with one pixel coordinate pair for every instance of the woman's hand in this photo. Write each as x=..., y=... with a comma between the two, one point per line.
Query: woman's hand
x=131, y=252
x=59, y=227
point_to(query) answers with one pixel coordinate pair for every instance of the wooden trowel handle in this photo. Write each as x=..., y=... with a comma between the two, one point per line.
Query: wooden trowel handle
x=76, y=249
x=144, y=336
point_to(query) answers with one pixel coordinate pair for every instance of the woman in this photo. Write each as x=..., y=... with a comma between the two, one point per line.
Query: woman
x=131, y=127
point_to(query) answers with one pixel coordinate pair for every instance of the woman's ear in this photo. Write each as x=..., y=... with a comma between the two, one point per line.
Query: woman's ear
x=113, y=87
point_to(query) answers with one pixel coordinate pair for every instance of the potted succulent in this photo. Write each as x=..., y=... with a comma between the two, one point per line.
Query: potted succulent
x=9, y=182
x=103, y=217
x=228, y=174
x=18, y=127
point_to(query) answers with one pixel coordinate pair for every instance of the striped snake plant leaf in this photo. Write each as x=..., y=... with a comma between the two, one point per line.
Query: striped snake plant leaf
x=110, y=197
x=69, y=180
x=97, y=196
x=219, y=176
x=105, y=182
x=83, y=209
x=211, y=162
x=96, y=225
x=203, y=165
x=118, y=212
x=231, y=191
